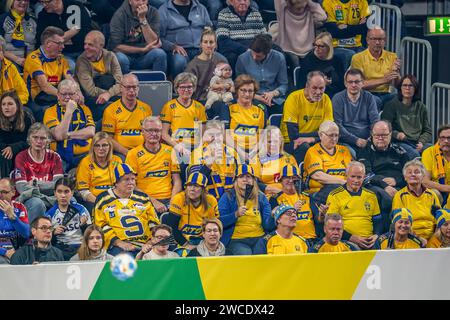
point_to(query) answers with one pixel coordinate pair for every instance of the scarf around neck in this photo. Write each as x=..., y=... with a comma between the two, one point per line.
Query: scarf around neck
x=204, y=252
x=18, y=36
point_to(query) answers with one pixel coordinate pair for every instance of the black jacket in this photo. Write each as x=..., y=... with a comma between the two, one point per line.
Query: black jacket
x=29, y=254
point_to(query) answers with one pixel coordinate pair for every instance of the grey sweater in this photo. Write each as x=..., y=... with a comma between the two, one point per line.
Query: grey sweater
x=354, y=120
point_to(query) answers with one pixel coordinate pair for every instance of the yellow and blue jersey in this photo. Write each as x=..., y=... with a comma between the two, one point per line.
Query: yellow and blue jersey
x=245, y=124
x=273, y=243
x=387, y=242
x=323, y=246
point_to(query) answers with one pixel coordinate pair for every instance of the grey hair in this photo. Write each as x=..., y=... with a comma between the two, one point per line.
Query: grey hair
x=153, y=119
x=334, y=217
x=185, y=77
x=327, y=125
x=414, y=163
x=312, y=74
x=35, y=127
x=129, y=75
x=387, y=122
x=68, y=83
x=355, y=164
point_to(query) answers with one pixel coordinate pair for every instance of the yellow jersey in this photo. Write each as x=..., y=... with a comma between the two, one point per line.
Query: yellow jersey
x=349, y=13
x=191, y=218
x=305, y=220
x=96, y=179
x=154, y=170
x=357, y=209
x=273, y=243
x=373, y=68
x=436, y=164
x=125, y=219
x=81, y=118
x=420, y=207
x=323, y=246
x=250, y=224
x=124, y=124
x=435, y=242
x=245, y=124
x=10, y=79
x=185, y=122
x=317, y=159
x=307, y=115
x=99, y=66
x=37, y=63
x=387, y=242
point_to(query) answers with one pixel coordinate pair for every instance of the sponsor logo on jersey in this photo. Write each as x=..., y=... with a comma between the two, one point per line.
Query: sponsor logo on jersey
x=157, y=174
x=347, y=42
x=336, y=172
x=189, y=229
x=139, y=206
x=131, y=132
x=106, y=187
x=243, y=130
x=302, y=215
x=184, y=133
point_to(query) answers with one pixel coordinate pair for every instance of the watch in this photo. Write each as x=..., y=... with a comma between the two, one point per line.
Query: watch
x=143, y=23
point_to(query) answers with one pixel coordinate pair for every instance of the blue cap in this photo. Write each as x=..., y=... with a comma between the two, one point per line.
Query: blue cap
x=282, y=208
x=442, y=216
x=197, y=178
x=122, y=169
x=244, y=169
x=402, y=213
x=289, y=171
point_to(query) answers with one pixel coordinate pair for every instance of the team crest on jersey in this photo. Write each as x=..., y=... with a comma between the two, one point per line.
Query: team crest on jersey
x=255, y=116
x=297, y=248
x=166, y=163
x=139, y=206
x=243, y=130
x=173, y=106
x=140, y=153
x=157, y=174
x=367, y=206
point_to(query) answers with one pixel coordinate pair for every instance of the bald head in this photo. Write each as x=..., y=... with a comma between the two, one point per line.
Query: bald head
x=96, y=37
x=376, y=39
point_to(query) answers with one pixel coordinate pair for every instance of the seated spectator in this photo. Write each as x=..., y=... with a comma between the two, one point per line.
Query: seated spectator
x=325, y=162
x=41, y=249
x=158, y=173
x=92, y=246
x=182, y=118
x=358, y=207
x=73, y=18
x=37, y=168
x=409, y=118
x=188, y=208
x=70, y=124
x=355, y=111
x=243, y=118
x=19, y=30
x=271, y=158
x=292, y=16
x=237, y=25
x=123, y=118
x=421, y=201
x=44, y=69
x=69, y=219
x=402, y=236
x=203, y=65
x=135, y=37
x=14, y=226
x=347, y=24
x=210, y=246
x=14, y=125
x=323, y=59
x=155, y=251
x=124, y=214
x=182, y=22
x=441, y=236
x=384, y=163
x=245, y=213
x=268, y=67
x=215, y=159
x=283, y=240
x=10, y=76
x=303, y=112
x=95, y=171
x=332, y=241
x=291, y=195
x=221, y=86
x=381, y=68
x=436, y=161
x=99, y=74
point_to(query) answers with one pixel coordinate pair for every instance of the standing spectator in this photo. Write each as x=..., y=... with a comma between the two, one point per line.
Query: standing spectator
x=14, y=125
x=420, y=200
x=92, y=246
x=182, y=23
x=304, y=111
x=44, y=69
x=13, y=221
x=41, y=249
x=203, y=65
x=154, y=251
x=268, y=67
x=355, y=111
x=73, y=18
x=10, y=76
x=245, y=213
x=441, y=237
x=95, y=172
x=70, y=124
x=69, y=219
x=332, y=241
x=283, y=240
x=347, y=24
x=99, y=74
x=123, y=118
x=36, y=171
x=323, y=59
x=237, y=25
x=158, y=173
x=19, y=30
x=135, y=37
x=210, y=246
x=292, y=16
x=401, y=237
x=381, y=68
x=409, y=118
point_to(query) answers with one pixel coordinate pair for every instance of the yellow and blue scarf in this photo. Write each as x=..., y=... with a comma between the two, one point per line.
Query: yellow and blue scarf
x=18, y=36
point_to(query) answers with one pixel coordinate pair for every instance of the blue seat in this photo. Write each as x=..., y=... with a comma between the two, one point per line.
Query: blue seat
x=156, y=94
x=149, y=75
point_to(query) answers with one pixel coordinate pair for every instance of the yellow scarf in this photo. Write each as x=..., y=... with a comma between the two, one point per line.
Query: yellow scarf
x=440, y=163
x=18, y=37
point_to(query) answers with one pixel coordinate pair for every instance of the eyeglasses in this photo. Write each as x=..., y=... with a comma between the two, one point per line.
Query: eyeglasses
x=377, y=39
x=67, y=94
x=321, y=46
x=290, y=213
x=444, y=138
x=40, y=138
x=381, y=136
x=354, y=82
x=332, y=135
x=46, y=228
x=59, y=43
x=247, y=91
x=5, y=191
x=186, y=88
x=151, y=130
x=130, y=87
x=104, y=146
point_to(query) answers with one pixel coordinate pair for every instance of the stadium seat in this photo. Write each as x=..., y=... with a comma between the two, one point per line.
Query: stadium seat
x=275, y=119
x=156, y=94
x=149, y=75
x=296, y=76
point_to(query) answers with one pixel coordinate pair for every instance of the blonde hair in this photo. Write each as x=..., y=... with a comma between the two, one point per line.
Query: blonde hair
x=100, y=136
x=253, y=196
x=327, y=40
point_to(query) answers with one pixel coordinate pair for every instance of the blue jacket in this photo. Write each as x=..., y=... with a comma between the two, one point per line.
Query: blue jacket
x=228, y=207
